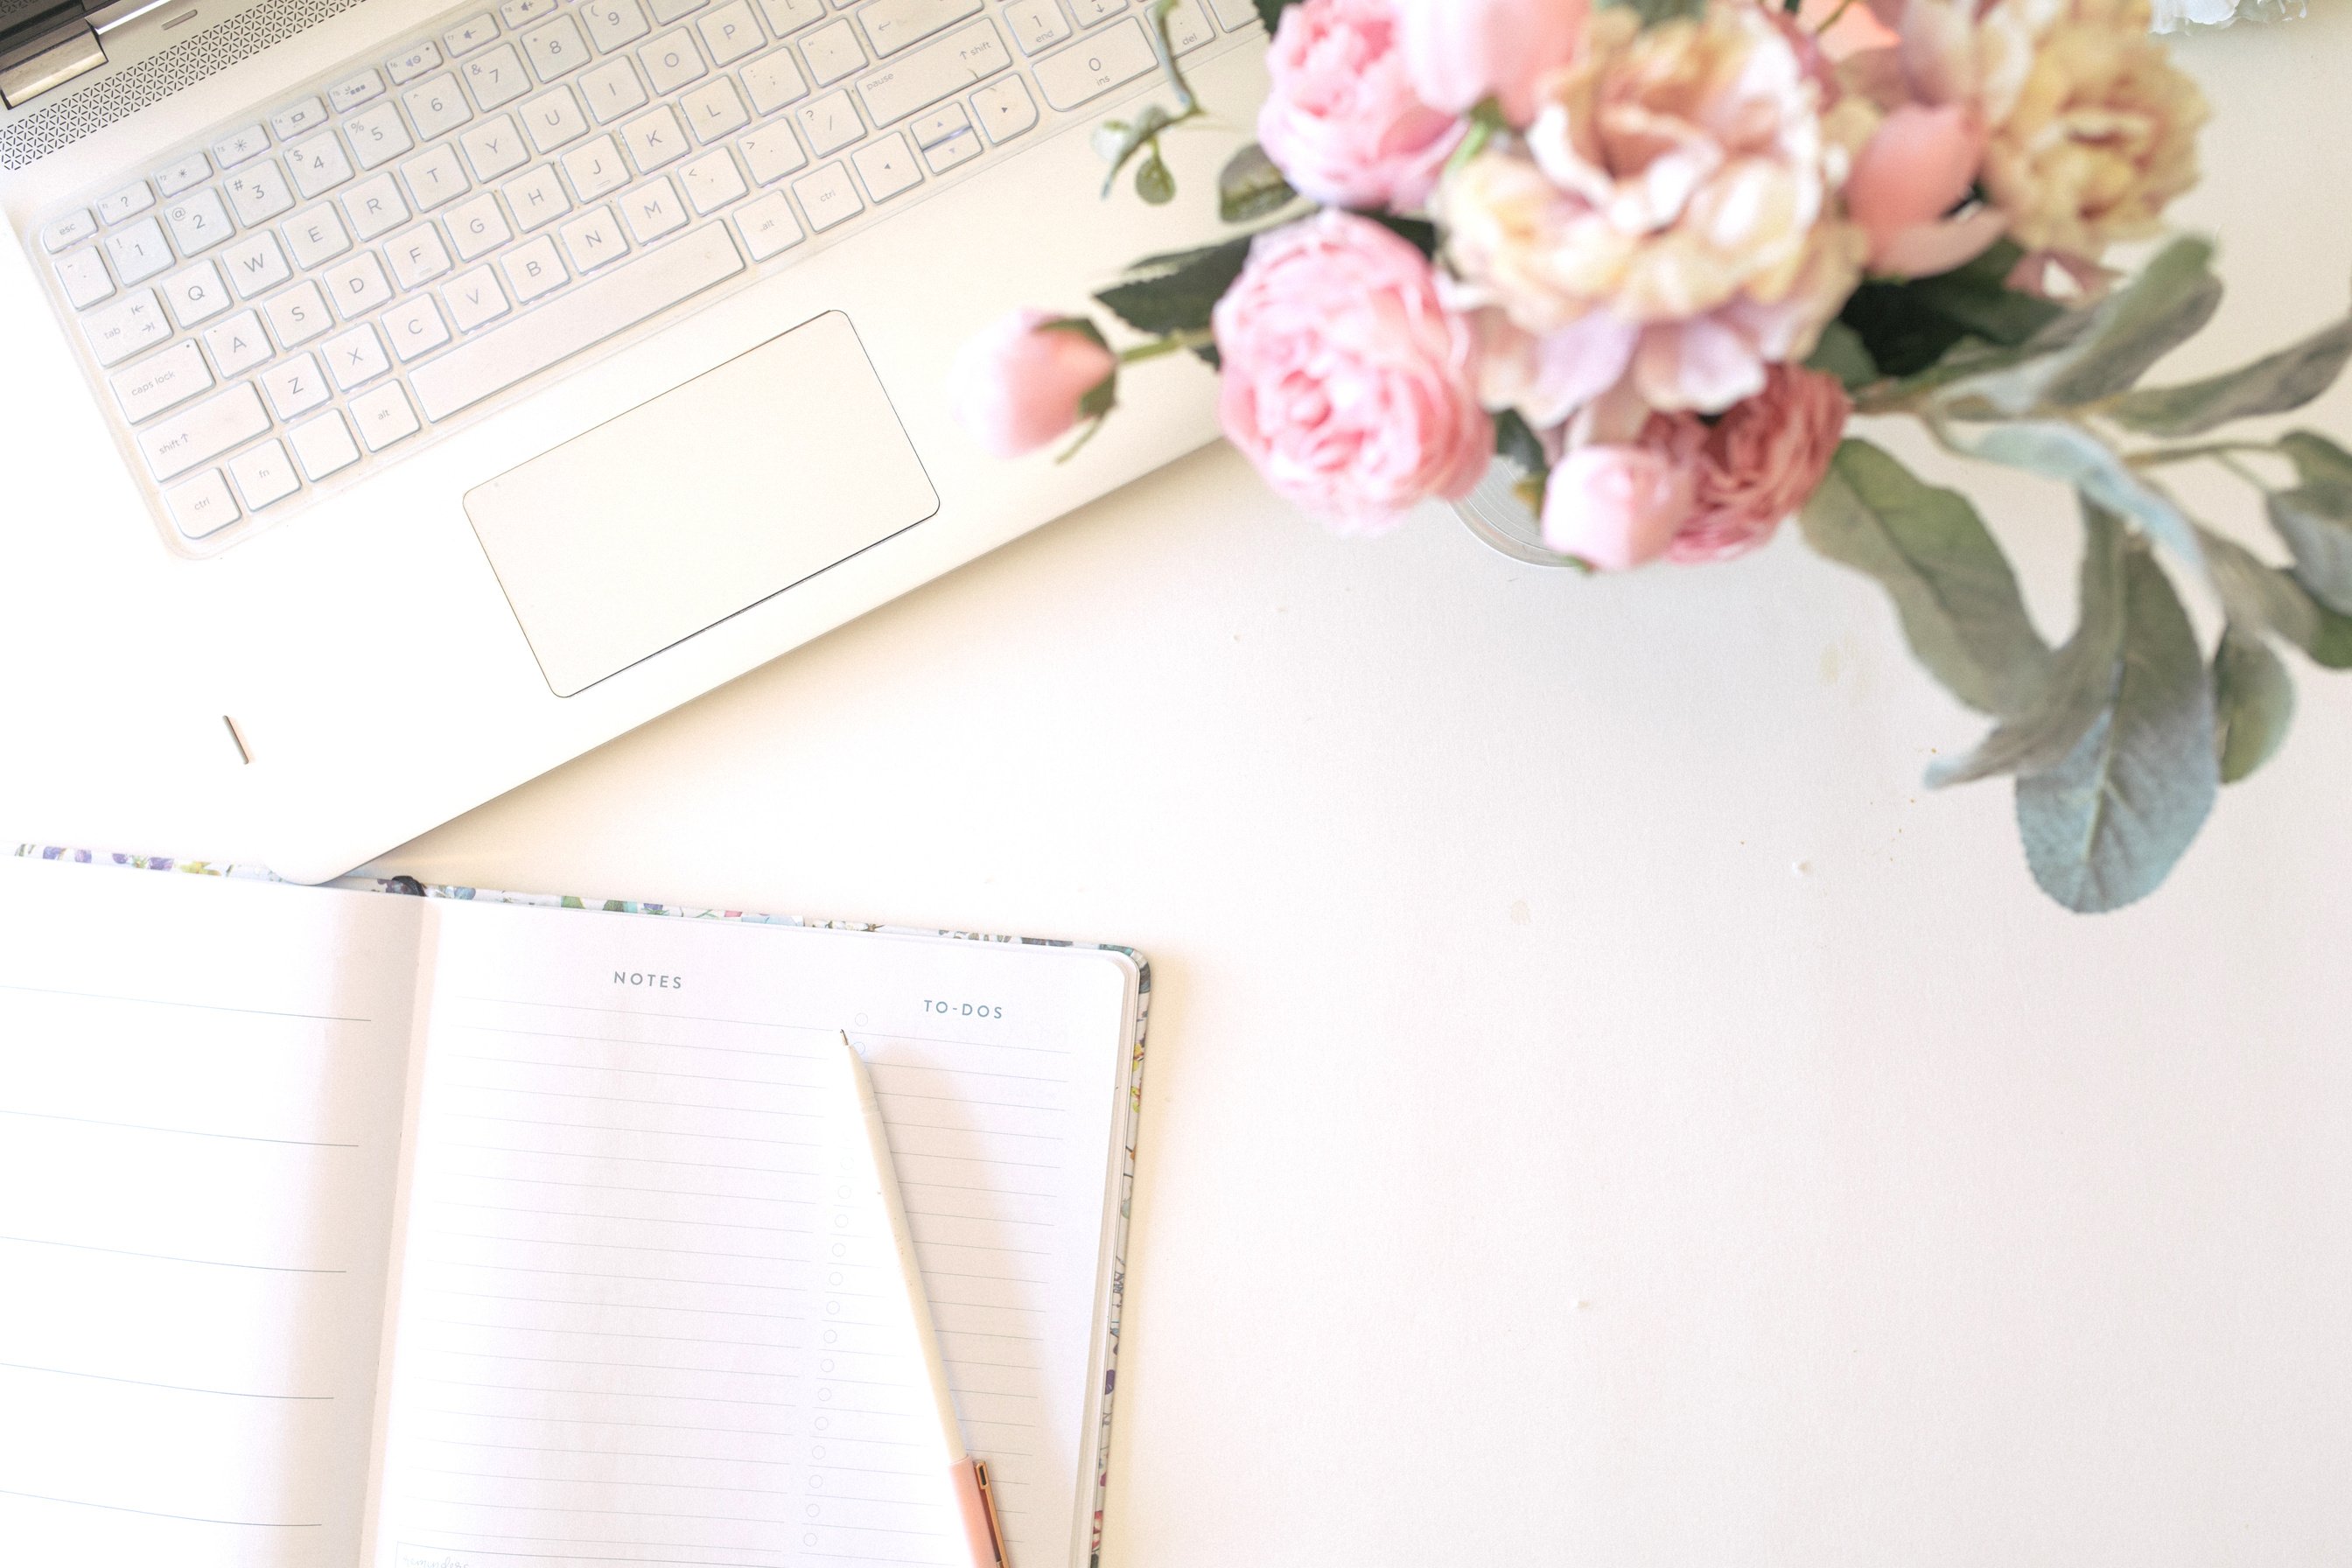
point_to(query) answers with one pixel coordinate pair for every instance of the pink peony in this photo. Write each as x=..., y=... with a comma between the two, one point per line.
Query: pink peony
x=1753, y=468
x=1341, y=121
x=1918, y=165
x=1014, y=388
x=1463, y=51
x=1615, y=507
x=1347, y=381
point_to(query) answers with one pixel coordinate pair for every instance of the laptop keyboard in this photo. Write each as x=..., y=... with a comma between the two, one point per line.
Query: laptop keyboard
x=325, y=283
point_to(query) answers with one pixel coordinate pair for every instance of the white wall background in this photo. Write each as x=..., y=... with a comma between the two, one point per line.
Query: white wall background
x=1601, y=1109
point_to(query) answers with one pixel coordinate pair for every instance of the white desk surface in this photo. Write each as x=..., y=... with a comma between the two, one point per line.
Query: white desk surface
x=1601, y=1108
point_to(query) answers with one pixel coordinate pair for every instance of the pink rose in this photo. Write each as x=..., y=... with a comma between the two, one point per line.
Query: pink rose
x=1347, y=381
x=1918, y=165
x=1342, y=122
x=1015, y=388
x=1753, y=468
x=1463, y=51
x=1615, y=507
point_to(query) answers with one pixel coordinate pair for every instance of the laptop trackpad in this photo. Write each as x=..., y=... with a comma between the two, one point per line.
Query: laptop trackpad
x=700, y=504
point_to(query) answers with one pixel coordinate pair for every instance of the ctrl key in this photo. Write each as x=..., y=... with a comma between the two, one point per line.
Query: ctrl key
x=202, y=506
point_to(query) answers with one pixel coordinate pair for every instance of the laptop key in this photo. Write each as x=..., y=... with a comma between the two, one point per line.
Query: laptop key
x=196, y=436
x=319, y=164
x=139, y=252
x=471, y=34
x=238, y=146
x=257, y=265
x=71, y=229
x=202, y=507
x=237, y=344
x=298, y=119
x=324, y=445
x=1095, y=65
x=296, y=386
x=260, y=192
x=117, y=332
x=193, y=170
x=923, y=75
x=353, y=92
x=152, y=387
x=264, y=475
x=130, y=200
x=83, y=276
x=197, y=295
x=411, y=63
x=199, y=223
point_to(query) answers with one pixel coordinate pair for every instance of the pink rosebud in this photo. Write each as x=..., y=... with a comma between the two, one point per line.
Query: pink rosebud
x=1347, y=382
x=1015, y=388
x=1341, y=120
x=1615, y=507
x=1462, y=51
x=1918, y=166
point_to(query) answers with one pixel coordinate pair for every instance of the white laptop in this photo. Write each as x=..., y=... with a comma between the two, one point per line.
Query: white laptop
x=399, y=400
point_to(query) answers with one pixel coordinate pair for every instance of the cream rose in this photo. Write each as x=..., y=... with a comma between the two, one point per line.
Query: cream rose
x=1680, y=182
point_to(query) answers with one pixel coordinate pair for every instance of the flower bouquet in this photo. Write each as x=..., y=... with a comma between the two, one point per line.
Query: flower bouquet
x=1654, y=258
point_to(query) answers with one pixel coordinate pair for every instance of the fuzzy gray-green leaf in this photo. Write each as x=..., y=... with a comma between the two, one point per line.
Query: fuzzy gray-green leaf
x=1951, y=586
x=2315, y=521
x=2106, y=823
x=2081, y=676
x=2315, y=457
x=1251, y=187
x=2102, y=349
x=2253, y=703
x=2059, y=450
x=2273, y=384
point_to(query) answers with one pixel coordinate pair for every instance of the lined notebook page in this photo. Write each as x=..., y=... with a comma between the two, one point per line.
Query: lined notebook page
x=636, y=1322
x=200, y=1098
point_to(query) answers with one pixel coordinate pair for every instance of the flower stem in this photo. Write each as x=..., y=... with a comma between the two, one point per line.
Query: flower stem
x=1834, y=17
x=1173, y=343
x=2220, y=451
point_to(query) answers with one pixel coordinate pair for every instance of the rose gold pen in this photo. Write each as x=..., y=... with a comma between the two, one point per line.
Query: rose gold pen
x=974, y=1499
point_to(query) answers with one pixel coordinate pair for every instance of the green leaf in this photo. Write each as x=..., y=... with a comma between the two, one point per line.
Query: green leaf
x=1270, y=12
x=1177, y=292
x=1515, y=440
x=2106, y=825
x=1907, y=327
x=1118, y=141
x=2100, y=351
x=2080, y=676
x=2273, y=384
x=2315, y=521
x=1653, y=12
x=2071, y=453
x=2253, y=703
x=2264, y=599
x=1154, y=182
x=1419, y=233
x=2317, y=457
x=1951, y=586
x=1251, y=187
x=1842, y=353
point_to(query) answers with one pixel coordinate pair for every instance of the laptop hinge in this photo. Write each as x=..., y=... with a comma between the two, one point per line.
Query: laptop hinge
x=50, y=45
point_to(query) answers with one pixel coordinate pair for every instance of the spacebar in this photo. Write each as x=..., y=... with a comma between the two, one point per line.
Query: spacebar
x=585, y=317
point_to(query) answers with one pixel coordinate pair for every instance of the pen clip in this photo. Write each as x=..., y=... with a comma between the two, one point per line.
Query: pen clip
x=982, y=1528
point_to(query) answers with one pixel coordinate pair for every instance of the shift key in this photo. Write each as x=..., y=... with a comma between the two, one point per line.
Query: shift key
x=203, y=433
x=921, y=78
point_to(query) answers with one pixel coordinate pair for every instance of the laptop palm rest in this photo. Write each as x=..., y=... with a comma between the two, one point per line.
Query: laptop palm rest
x=700, y=504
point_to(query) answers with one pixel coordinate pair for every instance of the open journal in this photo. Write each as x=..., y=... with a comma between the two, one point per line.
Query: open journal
x=340, y=1229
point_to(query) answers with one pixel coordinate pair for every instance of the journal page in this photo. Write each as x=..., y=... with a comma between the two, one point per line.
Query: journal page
x=635, y=1320
x=200, y=1101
